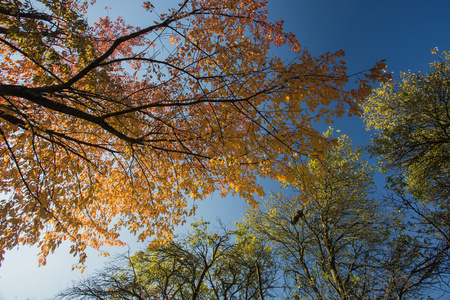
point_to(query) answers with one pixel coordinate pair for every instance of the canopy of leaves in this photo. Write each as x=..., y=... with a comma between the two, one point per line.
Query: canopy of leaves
x=412, y=142
x=107, y=127
x=204, y=265
x=340, y=242
x=412, y=119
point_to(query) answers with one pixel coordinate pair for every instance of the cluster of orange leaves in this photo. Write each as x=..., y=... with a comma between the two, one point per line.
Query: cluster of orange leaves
x=110, y=127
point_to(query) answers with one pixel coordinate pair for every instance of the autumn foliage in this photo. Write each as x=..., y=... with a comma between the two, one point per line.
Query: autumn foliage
x=105, y=126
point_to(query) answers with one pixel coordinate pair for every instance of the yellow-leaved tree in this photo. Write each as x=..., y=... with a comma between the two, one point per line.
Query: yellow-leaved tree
x=107, y=127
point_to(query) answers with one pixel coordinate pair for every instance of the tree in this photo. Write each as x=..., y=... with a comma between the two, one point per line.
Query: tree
x=203, y=265
x=107, y=127
x=411, y=119
x=340, y=242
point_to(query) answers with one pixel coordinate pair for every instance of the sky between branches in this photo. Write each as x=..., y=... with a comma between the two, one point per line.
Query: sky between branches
x=400, y=31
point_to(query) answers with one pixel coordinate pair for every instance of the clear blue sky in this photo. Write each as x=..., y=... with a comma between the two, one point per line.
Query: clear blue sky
x=401, y=32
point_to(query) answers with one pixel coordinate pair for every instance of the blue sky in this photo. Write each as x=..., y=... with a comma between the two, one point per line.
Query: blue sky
x=399, y=31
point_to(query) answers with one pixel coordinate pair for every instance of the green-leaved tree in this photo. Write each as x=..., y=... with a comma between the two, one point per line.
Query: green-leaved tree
x=227, y=264
x=340, y=242
x=412, y=142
